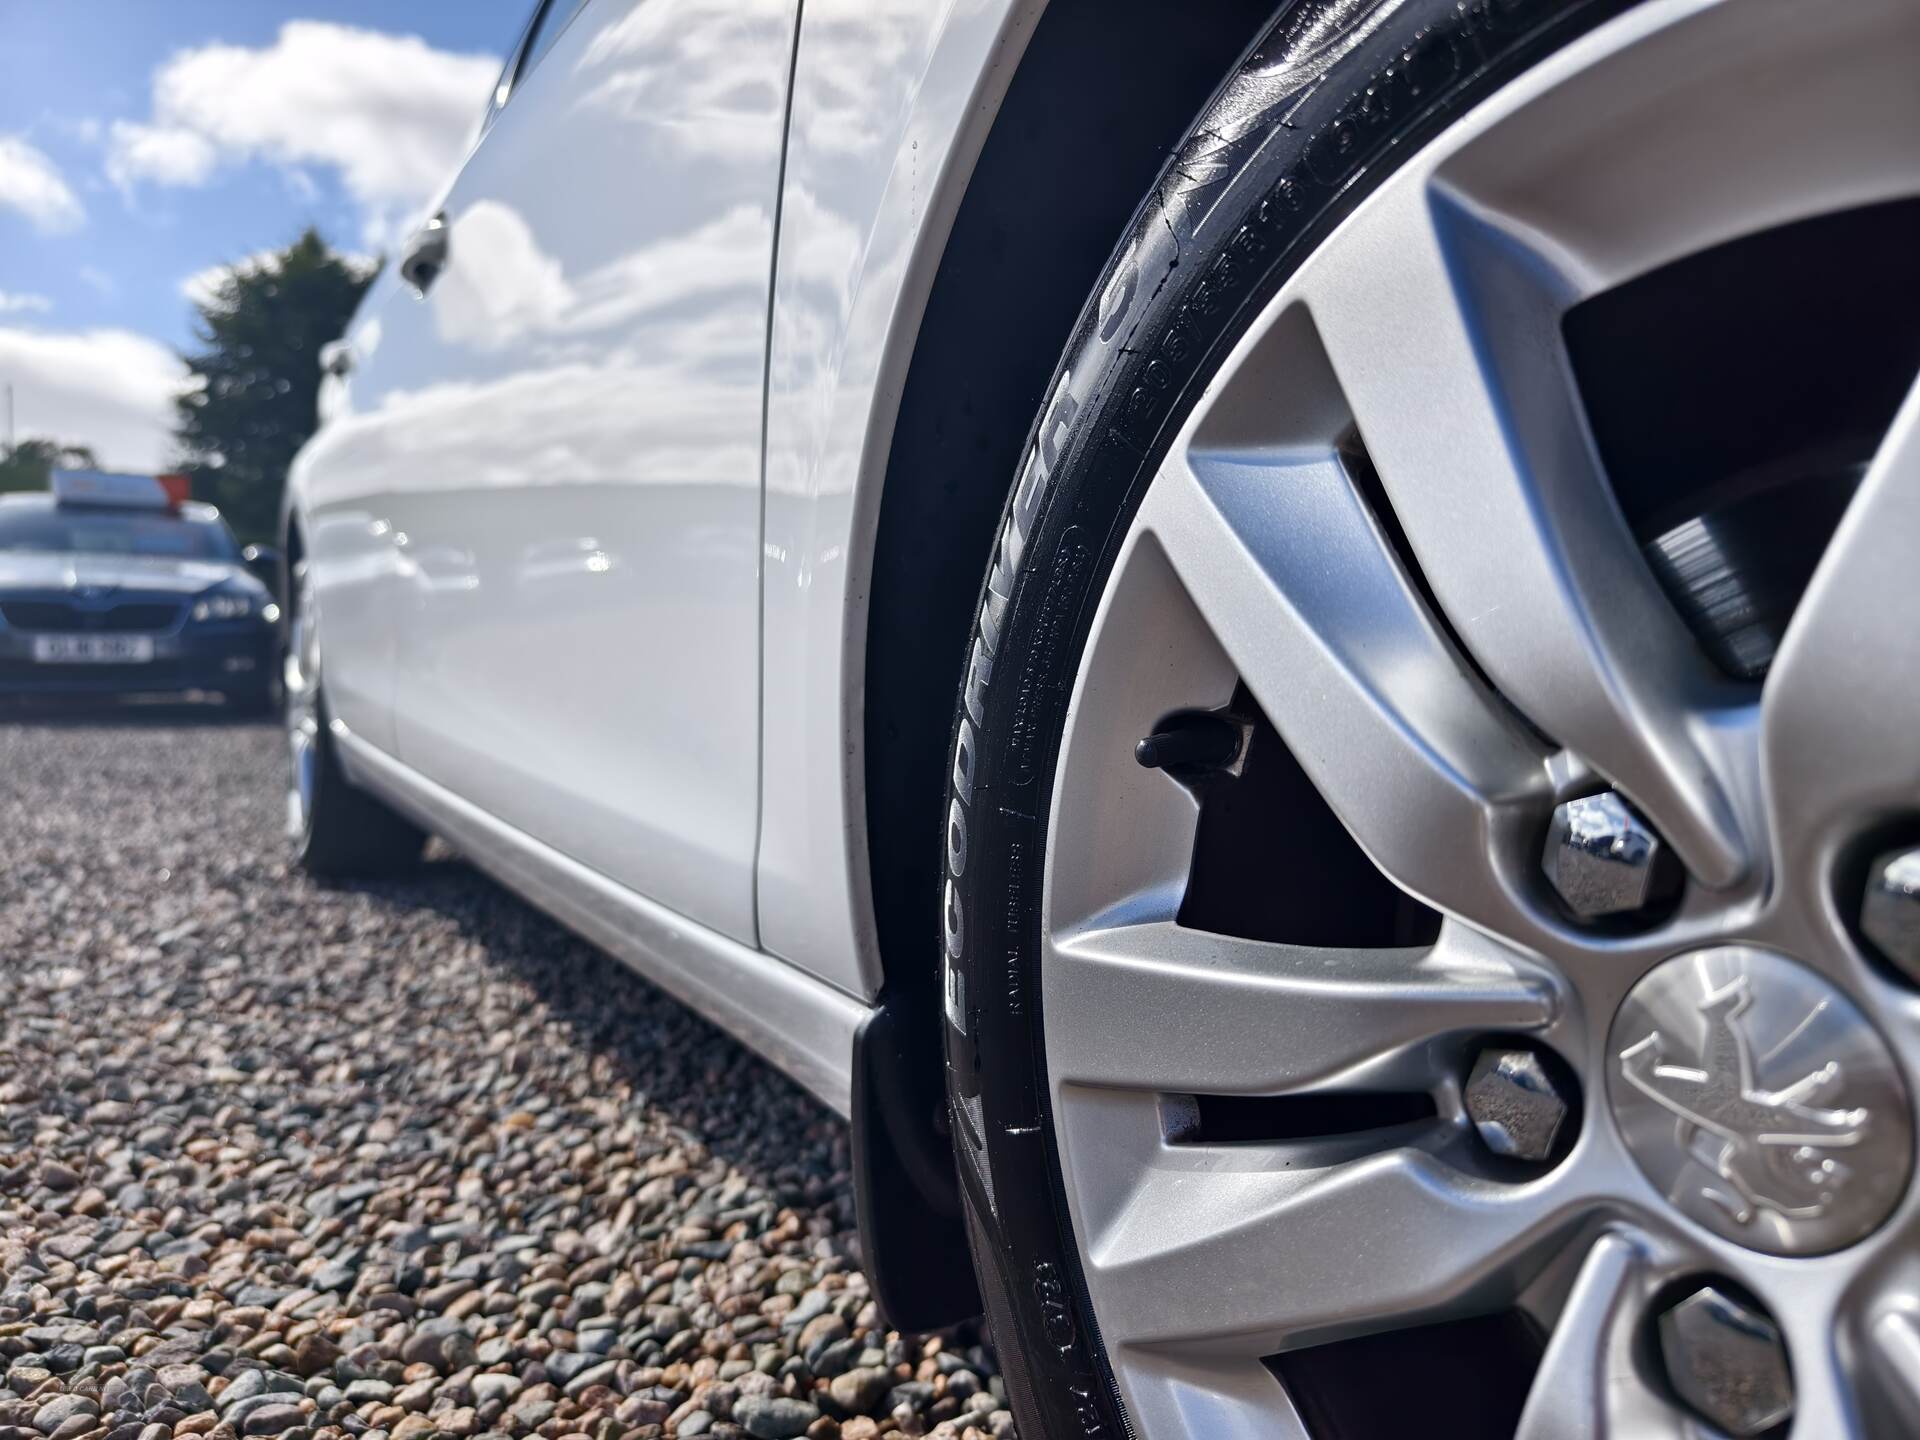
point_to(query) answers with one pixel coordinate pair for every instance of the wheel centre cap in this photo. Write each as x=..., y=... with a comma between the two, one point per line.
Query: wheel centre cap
x=1760, y=1100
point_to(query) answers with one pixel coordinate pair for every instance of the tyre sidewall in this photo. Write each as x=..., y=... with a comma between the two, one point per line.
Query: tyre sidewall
x=1294, y=139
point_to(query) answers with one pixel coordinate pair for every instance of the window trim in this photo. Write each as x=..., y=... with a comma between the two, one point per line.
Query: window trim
x=526, y=62
x=509, y=81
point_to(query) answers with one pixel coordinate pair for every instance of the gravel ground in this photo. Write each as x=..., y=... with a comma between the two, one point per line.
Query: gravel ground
x=397, y=1160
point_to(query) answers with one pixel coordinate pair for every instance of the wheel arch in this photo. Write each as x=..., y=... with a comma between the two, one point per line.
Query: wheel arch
x=994, y=326
x=1099, y=98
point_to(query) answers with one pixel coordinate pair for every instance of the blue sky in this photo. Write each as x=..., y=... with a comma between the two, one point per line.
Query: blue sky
x=144, y=142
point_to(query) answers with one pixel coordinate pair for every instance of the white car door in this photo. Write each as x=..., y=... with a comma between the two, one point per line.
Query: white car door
x=345, y=550
x=577, y=437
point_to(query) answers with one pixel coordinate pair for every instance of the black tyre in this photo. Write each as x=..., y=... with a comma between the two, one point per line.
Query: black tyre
x=339, y=831
x=1322, y=107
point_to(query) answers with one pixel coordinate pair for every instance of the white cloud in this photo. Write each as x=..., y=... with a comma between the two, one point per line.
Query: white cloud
x=98, y=281
x=701, y=75
x=110, y=390
x=166, y=155
x=32, y=184
x=15, y=301
x=656, y=420
x=391, y=114
x=506, y=287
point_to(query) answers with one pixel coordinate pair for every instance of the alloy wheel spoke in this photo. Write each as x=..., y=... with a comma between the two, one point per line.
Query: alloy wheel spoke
x=1299, y=585
x=1587, y=1387
x=1250, y=1250
x=1894, y=1352
x=1443, y=331
x=1191, y=1011
x=1824, y=1398
x=1839, y=703
x=1228, y=1398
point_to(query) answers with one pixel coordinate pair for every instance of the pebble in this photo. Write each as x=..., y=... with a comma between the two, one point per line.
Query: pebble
x=775, y=1417
x=391, y=1161
x=60, y=1410
x=315, y=1355
x=502, y=1388
x=247, y=1385
x=271, y=1419
x=861, y=1391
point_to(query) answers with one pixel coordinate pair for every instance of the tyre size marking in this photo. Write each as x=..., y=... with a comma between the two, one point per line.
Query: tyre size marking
x=1016, y=894
x=1056, y=1319
x=1056, y=1310
x=1086, y=1410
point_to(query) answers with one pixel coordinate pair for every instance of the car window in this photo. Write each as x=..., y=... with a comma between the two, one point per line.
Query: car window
x=96, y=532
x=547, y=30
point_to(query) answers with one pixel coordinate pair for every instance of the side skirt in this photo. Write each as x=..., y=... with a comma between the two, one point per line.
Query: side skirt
x=802, y=1025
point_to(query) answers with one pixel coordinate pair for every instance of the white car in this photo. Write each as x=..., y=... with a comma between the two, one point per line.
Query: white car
x=1278, y=648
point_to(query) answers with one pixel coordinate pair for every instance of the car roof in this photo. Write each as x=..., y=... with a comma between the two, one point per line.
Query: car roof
x=198, y=512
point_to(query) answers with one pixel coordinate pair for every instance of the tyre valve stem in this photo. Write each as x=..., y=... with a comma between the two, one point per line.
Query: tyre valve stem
x=1198, y=740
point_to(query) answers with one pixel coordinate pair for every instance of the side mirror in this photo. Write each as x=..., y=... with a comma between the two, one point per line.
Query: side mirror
x=266, y=562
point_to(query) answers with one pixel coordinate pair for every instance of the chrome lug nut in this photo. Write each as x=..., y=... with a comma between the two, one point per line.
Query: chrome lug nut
x=1603, y=859
x=1514, y=1104
x=1726, y=1361
x=1890, y=913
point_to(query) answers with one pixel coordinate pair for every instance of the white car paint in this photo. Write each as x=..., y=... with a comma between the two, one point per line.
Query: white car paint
x=877, y=159
x=564, y=433
x=534, y=512
x=347, y=551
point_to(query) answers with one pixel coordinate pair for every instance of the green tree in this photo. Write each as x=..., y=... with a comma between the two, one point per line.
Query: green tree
x=28, y=466
x=258, y=376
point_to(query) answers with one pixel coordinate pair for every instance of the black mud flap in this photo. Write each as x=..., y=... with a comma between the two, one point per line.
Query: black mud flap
x=912, y=1236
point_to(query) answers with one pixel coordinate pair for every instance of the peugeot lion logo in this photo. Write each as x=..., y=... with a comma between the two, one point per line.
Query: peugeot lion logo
x=1766, y=1144
x=1760, y=1100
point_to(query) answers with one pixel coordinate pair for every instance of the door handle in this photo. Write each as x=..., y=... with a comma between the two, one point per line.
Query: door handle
x=426, y=255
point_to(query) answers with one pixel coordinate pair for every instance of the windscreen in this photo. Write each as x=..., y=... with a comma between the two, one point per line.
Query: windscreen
x=115, y=532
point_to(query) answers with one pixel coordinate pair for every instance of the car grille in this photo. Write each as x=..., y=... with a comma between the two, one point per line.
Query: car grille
x=66, y=616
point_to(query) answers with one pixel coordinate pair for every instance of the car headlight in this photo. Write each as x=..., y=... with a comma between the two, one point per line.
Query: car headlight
x=223, y=607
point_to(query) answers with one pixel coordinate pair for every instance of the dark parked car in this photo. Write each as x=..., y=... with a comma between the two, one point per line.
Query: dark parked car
x=126, y=591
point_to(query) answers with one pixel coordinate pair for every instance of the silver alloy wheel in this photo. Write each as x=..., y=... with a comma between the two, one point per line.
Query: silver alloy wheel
x=301, y=670
x=1428, y=323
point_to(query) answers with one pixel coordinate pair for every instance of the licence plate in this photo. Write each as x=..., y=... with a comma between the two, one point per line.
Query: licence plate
x=93, y=649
